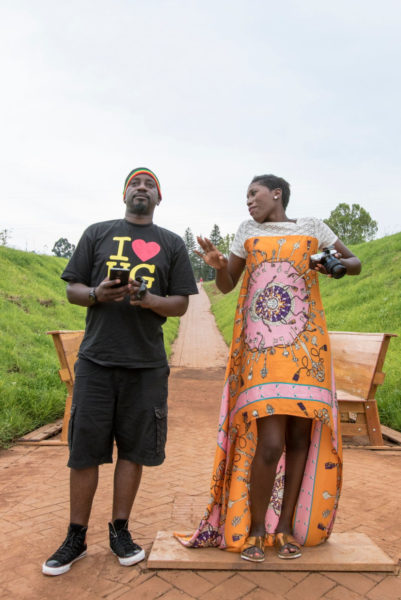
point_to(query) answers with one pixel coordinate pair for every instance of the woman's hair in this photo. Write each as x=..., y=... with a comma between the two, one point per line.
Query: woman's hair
x=272, y=182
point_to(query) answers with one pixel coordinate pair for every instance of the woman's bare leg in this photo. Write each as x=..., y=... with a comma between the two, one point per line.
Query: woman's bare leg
x=297, y=443
x=271, y=440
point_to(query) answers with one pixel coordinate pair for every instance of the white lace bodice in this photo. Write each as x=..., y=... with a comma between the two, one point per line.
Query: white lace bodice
x=305, y=226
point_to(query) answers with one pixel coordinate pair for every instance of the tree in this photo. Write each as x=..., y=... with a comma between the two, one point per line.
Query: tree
x=190, y=245
x=353, y=224
x=189, y=241
x=63, y=248
x=207, y=273
x=4, y=236
x=226, y=243
x=200, y=268
x=215, y=236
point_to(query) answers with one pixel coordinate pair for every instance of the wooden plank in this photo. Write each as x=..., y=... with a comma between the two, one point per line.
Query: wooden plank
x=353, y=429
x=42, y=433
x=351, y=405
x=379, y=364
x=373, y=423
x=364, y=333
x=43, y=443
x=394, y=449
x=355, y=359
x=391, y=434
x=379, y=378
x=67, y=343
x=347, y=552
x=71, y=344
x=64, y=375
x=66, y=418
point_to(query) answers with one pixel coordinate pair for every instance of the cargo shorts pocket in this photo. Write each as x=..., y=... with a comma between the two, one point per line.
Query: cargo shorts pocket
x=161, y=428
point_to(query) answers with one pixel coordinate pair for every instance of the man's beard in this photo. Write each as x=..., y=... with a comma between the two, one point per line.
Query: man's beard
x=140, y=208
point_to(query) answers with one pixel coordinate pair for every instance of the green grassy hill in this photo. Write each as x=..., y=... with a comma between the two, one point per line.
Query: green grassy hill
x=33, y=301
x=368, y=302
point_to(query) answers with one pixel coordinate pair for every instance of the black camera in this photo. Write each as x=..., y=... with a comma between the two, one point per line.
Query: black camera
x=142, y=289
x=332, y=265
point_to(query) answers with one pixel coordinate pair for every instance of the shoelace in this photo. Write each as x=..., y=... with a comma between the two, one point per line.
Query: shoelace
x=70, y=547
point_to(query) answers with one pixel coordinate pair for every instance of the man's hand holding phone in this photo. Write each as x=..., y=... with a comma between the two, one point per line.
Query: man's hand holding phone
x=115, y=287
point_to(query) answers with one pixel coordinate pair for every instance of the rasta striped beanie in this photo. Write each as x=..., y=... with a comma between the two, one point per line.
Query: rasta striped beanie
x=141, y=171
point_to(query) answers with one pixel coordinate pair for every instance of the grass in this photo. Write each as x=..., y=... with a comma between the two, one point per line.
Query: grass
x=33, y=301
x=370, y=302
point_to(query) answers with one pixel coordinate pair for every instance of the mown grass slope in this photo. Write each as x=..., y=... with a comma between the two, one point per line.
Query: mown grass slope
x=33, y=301
x=368, y=302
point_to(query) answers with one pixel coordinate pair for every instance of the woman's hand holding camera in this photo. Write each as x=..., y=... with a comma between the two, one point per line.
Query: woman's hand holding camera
x=328, y=263
x=321, y=268
x=336, y=261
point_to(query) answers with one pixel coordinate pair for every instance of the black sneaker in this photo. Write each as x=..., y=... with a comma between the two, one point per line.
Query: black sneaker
x=121, y=544
x=73, y=548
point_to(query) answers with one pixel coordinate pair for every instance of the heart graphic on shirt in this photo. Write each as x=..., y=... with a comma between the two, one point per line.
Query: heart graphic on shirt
x=145, y=250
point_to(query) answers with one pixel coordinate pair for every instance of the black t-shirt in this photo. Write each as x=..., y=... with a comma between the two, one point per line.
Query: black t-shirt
x=116, y=333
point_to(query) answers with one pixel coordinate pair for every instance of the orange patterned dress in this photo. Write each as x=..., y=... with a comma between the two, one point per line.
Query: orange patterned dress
x=279, y=363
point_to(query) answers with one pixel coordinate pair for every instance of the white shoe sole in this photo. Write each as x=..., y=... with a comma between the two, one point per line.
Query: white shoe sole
x=131, y=560
x=60, y=570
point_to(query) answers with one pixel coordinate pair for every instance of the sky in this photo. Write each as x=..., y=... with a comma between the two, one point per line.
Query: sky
x=205, y=93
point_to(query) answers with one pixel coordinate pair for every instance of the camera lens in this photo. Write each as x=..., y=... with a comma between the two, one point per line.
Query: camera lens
x=334, y=267
x=338, y=271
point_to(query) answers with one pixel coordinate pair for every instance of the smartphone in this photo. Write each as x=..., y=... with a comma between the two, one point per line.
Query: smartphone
x=121, y=274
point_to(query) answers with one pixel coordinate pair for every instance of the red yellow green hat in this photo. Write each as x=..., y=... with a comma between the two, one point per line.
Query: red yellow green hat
x=141, y=171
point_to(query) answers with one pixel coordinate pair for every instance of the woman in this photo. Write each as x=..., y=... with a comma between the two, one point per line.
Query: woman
x=279, y=416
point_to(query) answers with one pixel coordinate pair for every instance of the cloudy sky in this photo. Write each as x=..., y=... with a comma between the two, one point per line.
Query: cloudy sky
x=207, y=94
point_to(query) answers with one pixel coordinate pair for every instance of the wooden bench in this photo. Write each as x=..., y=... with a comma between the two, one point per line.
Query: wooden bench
x=67, y=344
x=358, y=360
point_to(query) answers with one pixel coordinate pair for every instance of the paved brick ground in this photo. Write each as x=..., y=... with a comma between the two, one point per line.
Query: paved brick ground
x=199, y=343
x=34, y=514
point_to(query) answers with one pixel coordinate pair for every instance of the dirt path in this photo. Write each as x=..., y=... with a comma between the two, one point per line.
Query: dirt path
x=34, y=506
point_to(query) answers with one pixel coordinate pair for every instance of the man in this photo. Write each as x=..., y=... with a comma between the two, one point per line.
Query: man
x=121, y=374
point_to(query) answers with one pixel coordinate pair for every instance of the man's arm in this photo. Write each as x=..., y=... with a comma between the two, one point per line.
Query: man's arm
x=169, y=306
x=78, y=293
x=172, y=306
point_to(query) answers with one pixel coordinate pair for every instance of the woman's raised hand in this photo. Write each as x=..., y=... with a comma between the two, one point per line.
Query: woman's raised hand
x=211, y=255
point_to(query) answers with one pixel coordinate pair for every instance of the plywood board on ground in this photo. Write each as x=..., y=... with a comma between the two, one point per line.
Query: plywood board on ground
x=42, y=433
x=343, y=552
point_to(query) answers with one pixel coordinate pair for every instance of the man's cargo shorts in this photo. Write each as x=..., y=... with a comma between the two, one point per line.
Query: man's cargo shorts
x=116, y=403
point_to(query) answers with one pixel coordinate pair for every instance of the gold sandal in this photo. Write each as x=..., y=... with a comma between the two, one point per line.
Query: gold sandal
x=254, y=549
x=284, y=539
